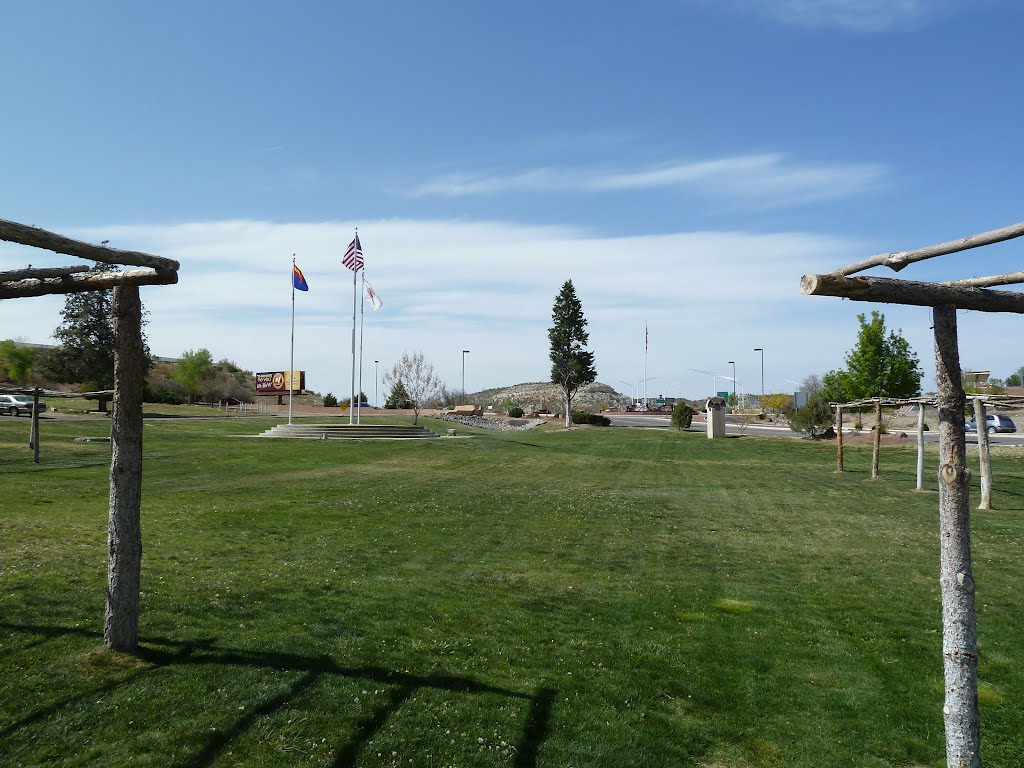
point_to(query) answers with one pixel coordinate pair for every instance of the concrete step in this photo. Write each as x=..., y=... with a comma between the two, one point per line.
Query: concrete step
x=348, y=431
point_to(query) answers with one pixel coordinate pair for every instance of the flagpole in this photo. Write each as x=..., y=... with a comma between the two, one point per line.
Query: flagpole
x=362, y=316
x=291, y=358
x=645, y=366
x=355, y=271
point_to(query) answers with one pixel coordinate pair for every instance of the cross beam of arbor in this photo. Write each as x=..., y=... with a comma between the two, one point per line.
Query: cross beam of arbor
x=42, y=281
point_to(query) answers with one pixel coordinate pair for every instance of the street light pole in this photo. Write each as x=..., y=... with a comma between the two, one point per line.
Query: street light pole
x=759, y=349
x=376, y=399
x=464, y=353
x=733, y=364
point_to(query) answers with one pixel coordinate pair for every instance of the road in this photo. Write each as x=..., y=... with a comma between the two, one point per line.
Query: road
x=660, y=421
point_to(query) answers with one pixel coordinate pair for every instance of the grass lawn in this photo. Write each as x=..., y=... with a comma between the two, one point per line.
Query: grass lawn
x=598, y=597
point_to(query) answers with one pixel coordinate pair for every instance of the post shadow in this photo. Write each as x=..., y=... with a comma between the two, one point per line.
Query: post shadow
x=312, y=668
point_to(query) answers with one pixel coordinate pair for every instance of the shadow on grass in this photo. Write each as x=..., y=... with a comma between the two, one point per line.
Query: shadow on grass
x=204, y=652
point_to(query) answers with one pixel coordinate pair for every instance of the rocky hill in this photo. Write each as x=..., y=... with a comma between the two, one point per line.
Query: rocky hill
x=544, y=396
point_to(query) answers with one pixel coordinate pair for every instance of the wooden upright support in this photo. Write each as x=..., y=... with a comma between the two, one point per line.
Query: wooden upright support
x=839, y=438
x=956, y=578
x=920, y=446
x=984, y=455
x=124, y=533
x=877, y=440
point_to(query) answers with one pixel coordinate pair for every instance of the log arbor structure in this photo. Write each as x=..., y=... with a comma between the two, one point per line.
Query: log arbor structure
x=959, y=636
x=124, y=534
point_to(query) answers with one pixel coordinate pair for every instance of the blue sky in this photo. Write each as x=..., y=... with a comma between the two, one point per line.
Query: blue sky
x=684, y=162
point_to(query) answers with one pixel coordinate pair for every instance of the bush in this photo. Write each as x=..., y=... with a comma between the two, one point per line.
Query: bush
x=156, y=392
x=682, y=415
x=330, y=401
x=515, y=412
x=582, y=417
x=813, y=418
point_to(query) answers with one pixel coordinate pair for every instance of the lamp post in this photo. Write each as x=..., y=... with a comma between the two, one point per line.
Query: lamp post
x=759, y=349
x=464, y=353
x=376, y=400
x=733, y=364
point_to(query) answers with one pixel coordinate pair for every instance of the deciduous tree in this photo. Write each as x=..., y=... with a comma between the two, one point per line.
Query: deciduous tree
x=880, y=365
x=572, y=365
x=18, y=360
x=193, y=371
x=417, y=378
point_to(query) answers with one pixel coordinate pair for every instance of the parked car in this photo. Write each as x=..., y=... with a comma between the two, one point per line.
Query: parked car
x=15, y=405
x=995, y=422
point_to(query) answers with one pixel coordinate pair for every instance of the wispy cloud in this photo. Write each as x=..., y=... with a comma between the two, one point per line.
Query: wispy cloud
x=855, y=15
x=763, y=179
x=486, y=286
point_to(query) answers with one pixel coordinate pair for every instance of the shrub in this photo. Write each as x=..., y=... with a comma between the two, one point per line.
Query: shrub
x=812, y=418
x=682, y=415
x=330, y=401
x=515, y=412
x=162, y=393
x=582, y=417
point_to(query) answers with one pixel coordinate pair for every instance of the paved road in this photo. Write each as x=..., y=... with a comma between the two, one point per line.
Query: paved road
x=766, y=430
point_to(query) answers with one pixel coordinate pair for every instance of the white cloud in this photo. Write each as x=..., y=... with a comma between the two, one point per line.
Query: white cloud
x=488, y=286
x=764, y=179
x=855, y=15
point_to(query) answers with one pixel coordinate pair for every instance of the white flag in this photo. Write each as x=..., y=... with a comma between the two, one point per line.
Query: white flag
x=371, y=295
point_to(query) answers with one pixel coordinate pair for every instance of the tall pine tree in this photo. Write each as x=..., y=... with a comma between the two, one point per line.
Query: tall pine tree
x=85, y=354
x=572, y=365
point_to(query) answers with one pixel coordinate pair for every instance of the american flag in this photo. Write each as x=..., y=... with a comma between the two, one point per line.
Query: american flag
x=353, y=258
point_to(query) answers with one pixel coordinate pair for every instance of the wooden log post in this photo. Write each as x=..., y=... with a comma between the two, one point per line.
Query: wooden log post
x=34, y=438
x=124, y=534
x=877, y=440
x=984, y=454
x=920, y=447
x=959, y=633
x=839, y=438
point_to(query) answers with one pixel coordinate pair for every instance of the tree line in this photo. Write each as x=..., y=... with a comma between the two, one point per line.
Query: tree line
x=84, y=358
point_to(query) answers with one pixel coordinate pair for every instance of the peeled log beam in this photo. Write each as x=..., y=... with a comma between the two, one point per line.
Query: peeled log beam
x=51, y=241
x=885, y=290
x=89, y=281
x=38, y=274
x=897, y=260
x=985, y=282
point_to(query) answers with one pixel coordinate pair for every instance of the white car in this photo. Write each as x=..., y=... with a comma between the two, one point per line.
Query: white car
x=15, y=405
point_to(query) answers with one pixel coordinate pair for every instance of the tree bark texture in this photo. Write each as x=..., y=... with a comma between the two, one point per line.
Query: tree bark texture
x=124, y=535
x=39, y=273
x=839, y=439
x=51, y=241
x=959, y=638
x=877, y=442
x=889, y=291
x=88, y=281
x=984, y=455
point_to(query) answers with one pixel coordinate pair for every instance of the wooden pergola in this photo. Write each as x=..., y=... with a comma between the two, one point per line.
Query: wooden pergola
x=959, y=635
x=124, y=533
x=980, y=402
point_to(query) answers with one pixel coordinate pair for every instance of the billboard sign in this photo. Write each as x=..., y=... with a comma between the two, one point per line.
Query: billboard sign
x=280, y=382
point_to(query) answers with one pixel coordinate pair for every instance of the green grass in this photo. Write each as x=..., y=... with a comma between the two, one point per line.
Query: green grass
x=591, y=597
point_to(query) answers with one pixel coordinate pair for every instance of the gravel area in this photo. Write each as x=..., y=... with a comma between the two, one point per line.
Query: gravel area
x=491, y=422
